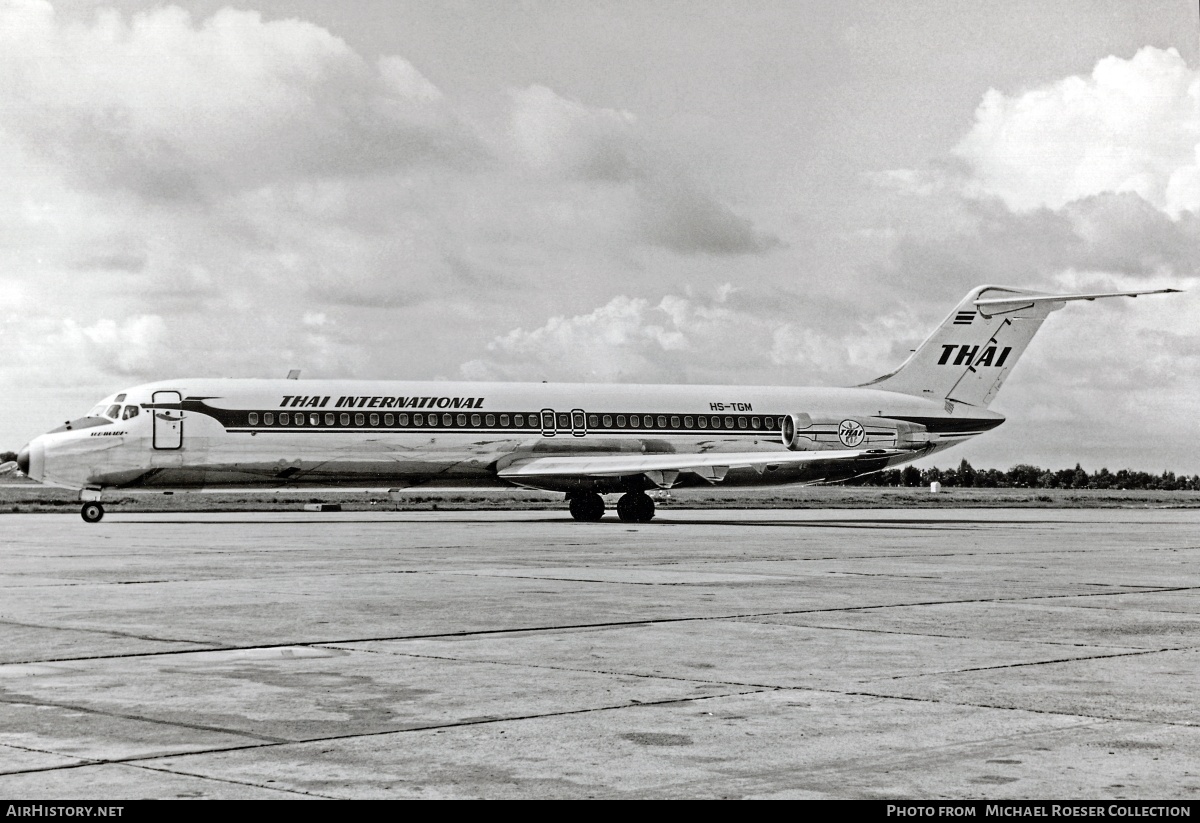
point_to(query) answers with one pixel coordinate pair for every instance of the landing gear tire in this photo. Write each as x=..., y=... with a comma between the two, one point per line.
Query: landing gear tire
x=635, y=507
x=587, y=506
x=92, y=512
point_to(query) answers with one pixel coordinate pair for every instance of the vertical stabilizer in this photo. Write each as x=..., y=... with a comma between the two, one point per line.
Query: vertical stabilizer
x=969, y=356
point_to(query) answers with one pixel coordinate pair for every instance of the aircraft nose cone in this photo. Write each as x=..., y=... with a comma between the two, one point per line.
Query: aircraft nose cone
x=23, y=460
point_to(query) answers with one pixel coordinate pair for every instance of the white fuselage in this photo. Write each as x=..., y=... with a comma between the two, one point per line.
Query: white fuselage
x=236, y=433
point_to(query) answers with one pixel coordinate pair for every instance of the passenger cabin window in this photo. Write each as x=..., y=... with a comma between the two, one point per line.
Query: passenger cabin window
x=476, y=420
x=688, y=421
x=268, y=418
x=755, y=422
x=359, y=419
x=741, y=422
x=418, y=420
x=564, y=420
x=703, y=422
x=253, y=418
x=315, y=419
x=594, y=420
x=374, y=420
x=462, y=420
x=662, y=421
x=299, y=419
x=504, y=420
x=447, y=419
x=620, y=421
x=635, y=421
x=491, y=419
x=285, y=418
x=389, y=420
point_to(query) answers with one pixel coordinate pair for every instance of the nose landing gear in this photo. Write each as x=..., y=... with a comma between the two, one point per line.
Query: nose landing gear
x=92, y=512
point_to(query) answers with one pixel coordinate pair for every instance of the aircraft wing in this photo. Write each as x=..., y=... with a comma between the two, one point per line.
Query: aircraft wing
x=662, y=469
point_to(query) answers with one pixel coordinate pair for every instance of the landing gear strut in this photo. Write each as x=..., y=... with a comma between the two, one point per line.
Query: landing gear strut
x=587, y=506
x=92, y=512
x=635, y=507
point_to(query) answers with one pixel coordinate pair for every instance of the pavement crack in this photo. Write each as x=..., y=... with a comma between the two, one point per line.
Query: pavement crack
x=229, y=780
x=110, y=632
x=74, y=707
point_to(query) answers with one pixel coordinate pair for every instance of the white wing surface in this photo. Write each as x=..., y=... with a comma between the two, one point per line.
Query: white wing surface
x=709, y=465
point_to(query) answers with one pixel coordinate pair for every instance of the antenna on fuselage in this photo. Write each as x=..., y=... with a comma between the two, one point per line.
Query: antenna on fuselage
x=294, y=374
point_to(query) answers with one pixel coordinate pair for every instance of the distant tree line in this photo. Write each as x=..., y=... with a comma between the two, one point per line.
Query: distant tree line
x=1024, y=476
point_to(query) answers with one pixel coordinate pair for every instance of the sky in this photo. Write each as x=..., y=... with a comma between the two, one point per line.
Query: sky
x=755, y=193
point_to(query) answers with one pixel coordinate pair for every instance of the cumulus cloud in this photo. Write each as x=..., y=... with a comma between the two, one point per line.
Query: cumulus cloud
x=134, y=347
x=708, y=338
x=261, y=186
x=172, y=109
x=558, y=137
x=1133, y=125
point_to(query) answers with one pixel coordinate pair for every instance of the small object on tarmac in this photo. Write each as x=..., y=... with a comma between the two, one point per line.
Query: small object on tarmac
x=322, y=507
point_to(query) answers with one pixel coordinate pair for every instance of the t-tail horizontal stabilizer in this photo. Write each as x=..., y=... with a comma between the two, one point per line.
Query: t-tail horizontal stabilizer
x=969, y=356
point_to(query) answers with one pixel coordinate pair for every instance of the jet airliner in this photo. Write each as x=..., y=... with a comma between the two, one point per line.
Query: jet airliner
x=582, y=439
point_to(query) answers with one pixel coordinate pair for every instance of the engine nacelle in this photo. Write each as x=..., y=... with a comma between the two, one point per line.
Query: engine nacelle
x=790, y=430
x=802, y=432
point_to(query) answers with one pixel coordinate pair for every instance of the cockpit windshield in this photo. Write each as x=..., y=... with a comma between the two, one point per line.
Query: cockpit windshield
x=82, y=423
x=103, y=414
x=115, y=411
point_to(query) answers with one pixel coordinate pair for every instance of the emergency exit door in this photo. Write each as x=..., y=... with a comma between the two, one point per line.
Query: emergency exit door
x=168, y=420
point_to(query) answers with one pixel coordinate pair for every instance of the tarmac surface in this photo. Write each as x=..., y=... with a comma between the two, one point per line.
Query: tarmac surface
x=920, y=654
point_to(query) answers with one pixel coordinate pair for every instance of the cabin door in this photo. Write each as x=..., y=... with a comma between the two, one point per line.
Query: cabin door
x=168, y=420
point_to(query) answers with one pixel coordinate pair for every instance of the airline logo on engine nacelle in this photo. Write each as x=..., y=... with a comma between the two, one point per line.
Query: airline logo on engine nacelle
x=851, y=433
x=973, y=355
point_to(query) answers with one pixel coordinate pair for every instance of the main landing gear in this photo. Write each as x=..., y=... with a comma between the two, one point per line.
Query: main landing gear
x=633, y=507
x=92, y=512
x=587, y=506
